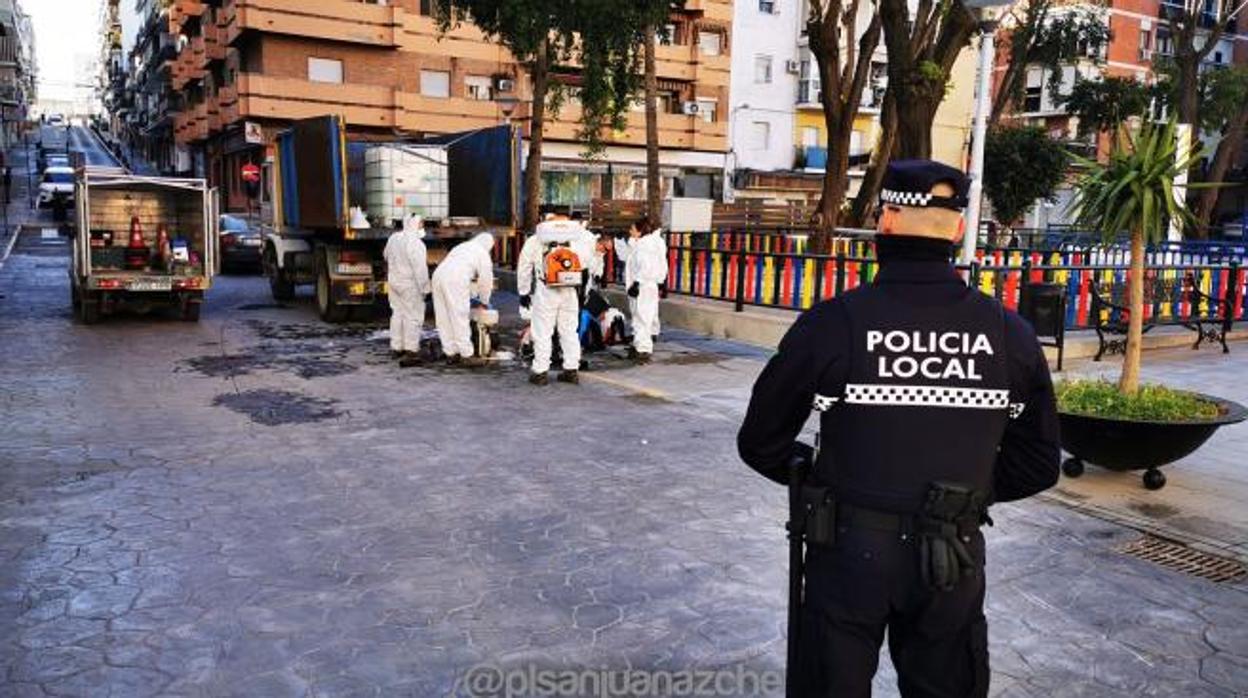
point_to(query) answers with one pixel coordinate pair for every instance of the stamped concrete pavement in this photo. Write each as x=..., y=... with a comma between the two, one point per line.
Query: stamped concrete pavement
x=263, y=505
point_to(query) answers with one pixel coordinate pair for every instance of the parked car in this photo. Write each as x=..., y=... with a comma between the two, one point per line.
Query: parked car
x=56, y=119
x=240, y=244
x=57, y=184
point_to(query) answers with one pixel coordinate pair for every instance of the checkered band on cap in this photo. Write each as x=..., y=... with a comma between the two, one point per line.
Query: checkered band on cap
x=905, y=198
x=927, y=396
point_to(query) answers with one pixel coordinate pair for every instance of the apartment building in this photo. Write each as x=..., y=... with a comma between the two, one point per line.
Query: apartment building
x=1140, y=37
x=761, y=119
x=776, y=81
x=246, y=68
x=153, y=103
x=17, y=69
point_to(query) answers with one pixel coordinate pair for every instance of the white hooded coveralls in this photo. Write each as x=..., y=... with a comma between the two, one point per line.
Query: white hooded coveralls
x=645, y=263
x=407, y=281
x=553, y=308
x=467, y=270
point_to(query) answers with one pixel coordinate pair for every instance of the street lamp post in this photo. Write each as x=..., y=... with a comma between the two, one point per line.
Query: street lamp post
x=983, y=101
x=507, y=104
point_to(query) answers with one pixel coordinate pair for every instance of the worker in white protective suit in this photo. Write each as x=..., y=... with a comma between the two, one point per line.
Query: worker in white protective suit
x=407, y=281
x=467, y=271
x=553, y=308
x=645, y=269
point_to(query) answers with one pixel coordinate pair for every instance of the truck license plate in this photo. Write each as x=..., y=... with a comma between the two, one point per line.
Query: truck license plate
x=360, y=268
x=150, y=285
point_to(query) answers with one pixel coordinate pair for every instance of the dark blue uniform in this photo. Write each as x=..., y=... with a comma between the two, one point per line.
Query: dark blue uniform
x=918, y=380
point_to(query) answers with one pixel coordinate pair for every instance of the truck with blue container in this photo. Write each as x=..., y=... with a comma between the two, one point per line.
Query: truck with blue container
x=337, y=200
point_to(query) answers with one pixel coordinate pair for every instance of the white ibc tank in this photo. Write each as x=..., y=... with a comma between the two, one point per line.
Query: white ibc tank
x=404, y=179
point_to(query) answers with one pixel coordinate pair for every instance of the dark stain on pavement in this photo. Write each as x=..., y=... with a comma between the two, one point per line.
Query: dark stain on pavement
x=301, y=360
x=277, y=407
x=1153, y=510
x=695, y=359
x=292, y=331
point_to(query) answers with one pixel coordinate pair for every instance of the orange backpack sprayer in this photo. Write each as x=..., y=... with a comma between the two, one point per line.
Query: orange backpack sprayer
x=563, y=266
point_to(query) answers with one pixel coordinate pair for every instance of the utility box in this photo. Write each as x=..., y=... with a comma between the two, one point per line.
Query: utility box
x=687, y=215
x=400, y=180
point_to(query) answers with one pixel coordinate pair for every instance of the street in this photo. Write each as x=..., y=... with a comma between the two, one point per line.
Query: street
x=80, y=139
x=263, y=504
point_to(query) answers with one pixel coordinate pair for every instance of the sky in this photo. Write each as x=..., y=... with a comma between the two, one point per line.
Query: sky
x=67, y=37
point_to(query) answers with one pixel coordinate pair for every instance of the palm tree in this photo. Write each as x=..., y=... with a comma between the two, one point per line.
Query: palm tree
x=1134, y=191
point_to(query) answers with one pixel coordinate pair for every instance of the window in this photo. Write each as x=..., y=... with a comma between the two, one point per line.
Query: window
x=1034, y=90
x=810, y=136
x=1165, y=44
x=435, y=83
x=855, y=143
x=479, y=87
x=1146, y=44
x=706, y=109
x=762, y=70
x=324, y=70
x=767, y=7
x=760, y=135
x=710, y=43
x=426, y=7
x=667, y=35
x=808, y=83
x=1217, y=56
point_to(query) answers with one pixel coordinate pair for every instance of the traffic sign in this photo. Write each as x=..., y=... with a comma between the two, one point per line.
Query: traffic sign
x=251, y=173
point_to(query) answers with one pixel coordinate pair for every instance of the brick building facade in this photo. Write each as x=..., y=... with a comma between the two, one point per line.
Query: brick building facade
x=251, y=66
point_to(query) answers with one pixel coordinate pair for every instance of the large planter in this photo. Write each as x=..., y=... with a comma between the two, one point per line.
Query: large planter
x=1119, y=444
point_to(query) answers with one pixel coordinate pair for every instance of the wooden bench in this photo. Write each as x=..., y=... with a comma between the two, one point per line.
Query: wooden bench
x=1111, y=326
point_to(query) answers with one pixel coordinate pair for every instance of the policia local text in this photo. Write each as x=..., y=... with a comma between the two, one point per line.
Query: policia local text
x=958, y=349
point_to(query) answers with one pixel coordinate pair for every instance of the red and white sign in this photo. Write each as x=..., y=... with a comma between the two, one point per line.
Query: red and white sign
x=251, y=173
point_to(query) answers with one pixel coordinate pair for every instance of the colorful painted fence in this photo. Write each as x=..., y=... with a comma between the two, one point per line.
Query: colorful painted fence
x=798, y=281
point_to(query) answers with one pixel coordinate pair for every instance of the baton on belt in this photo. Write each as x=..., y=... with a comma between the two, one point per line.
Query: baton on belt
x=799, y=468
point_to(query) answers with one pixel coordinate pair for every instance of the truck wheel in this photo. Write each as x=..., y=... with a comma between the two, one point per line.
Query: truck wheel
x=329, y=310
x=280, y=285
x=88, y=309
x=189, y=312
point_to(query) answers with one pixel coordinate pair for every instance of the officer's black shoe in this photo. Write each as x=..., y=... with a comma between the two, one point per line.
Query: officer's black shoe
x=569, y=377
x=632, y=353
x=642, y=359
x=584, y=365
x=396, y=354
x=539, y=379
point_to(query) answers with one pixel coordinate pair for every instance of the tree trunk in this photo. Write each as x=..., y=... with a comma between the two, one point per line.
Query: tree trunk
x=873, y=179
x=914, y=124
x=1227, y=152
x=540, y=70
x=1129, y=382
x=1189, y=93
x=654, y=182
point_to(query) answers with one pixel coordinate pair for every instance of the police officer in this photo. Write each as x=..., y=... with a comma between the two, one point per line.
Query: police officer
x=934, y=402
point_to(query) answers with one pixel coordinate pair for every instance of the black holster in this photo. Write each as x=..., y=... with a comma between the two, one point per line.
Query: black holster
x=945, y=528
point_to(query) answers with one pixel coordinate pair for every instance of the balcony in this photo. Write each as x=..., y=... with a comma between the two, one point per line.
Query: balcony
x=227, y=105
x=811, y=157
x=214, y=49
x=676, y=131
x=199, y=53
x=289, y=98
x=337, y=20
x=10, y=50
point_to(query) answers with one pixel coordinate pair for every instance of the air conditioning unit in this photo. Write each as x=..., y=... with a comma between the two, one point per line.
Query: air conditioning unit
x=793, y=66
x=505, y=85
x=690, y=108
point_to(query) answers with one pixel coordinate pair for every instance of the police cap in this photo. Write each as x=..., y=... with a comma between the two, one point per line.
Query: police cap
x=910, y=182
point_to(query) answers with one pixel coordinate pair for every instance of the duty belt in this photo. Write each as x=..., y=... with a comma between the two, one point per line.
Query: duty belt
x=951, y=515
